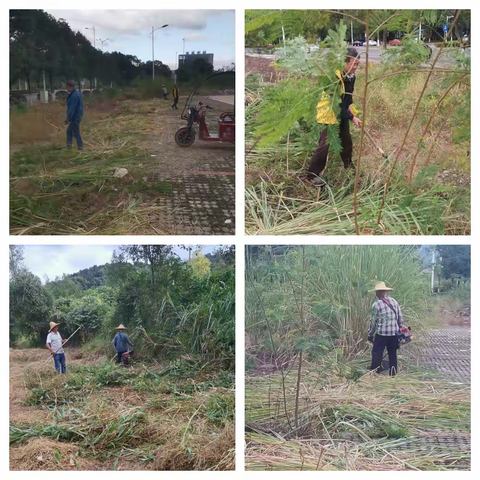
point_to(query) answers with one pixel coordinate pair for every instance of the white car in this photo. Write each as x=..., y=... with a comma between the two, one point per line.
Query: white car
x=371, y=42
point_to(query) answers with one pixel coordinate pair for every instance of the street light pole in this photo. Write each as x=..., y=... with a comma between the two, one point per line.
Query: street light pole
x=103, y=41
x=94, y=46
x=94, y=39
x=153, y=48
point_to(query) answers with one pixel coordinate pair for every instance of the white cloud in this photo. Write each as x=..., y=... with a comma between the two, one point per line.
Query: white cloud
x=133, y=22
x=195, y=37
x=55, y=260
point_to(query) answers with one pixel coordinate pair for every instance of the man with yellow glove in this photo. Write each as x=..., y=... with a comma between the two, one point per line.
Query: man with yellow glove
x=347, y=115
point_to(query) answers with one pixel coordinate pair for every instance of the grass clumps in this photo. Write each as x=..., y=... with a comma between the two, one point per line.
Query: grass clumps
x=149, y=417
x=60, y=191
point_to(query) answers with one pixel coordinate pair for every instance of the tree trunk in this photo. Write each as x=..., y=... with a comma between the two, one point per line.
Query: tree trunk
x=385, y=38
x=299, y=380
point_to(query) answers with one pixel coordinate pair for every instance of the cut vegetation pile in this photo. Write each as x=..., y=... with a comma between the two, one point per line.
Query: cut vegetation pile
x=59, y=191
x=351, y=419
x=172, y=416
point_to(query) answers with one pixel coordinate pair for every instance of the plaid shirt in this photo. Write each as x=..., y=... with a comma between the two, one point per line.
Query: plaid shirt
x=384, y=320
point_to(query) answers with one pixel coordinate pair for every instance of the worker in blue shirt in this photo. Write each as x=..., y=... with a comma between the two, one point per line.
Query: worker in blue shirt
x=121, y=343
x=74, y=115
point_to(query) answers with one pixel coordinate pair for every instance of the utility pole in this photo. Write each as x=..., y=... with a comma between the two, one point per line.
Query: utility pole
x=153, y=48
x=94, y=46
x=153, y=56
x=94, y=38
x=351, y=31
x=183, y=45
x=44, y=93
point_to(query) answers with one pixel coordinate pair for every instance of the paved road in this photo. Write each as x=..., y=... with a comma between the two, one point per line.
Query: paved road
x=228, y=99
x=202, y=176
x=445, y=350
x=375, y=54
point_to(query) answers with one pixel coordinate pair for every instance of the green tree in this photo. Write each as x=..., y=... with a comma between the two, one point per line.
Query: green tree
x=200, y=264
x=30, y=306
x=455, y=260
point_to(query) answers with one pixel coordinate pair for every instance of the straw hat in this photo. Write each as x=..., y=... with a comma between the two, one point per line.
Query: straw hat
x=382, y=286
x=53, y=325
x=121, y=327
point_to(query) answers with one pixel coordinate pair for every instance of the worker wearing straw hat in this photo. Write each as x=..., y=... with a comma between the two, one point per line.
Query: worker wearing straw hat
x=121, y=343
x=55, y=345
x=387, y=320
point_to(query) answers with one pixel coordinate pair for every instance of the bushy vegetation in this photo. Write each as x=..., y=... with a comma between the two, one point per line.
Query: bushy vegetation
x=337, y=294
x=171, y=306
x=419, y=113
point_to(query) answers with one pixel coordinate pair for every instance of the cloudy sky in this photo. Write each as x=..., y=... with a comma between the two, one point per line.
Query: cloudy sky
x=55, y=260
x=129, y=32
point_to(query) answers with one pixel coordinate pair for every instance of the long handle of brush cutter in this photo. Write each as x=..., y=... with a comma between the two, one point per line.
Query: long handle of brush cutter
x=65, y=342
x=384, y=155
x=59, y=129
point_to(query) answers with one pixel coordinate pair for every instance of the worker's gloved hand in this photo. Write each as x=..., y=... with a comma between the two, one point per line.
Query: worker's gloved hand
x=370, y=338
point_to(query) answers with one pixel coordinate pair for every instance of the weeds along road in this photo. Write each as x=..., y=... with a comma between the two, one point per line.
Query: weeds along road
x=99, y=416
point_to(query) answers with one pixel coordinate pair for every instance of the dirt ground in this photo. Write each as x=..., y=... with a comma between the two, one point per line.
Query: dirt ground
x=176, y=433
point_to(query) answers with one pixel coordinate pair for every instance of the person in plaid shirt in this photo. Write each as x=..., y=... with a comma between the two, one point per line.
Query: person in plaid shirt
x=386, y=322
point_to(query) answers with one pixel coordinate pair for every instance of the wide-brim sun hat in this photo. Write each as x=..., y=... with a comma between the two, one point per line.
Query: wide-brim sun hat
x=121, y=327
x=381, y=286
x=53, y=325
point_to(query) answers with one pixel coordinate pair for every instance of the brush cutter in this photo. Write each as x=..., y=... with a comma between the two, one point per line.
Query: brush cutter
x=384, y=155
x=369, y=136
x=58, y=129
x=405, y=336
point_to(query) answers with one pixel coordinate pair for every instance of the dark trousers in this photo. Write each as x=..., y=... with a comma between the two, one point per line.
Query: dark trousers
x=380, y=343
x=59, y=362
x=175, y=101
x=319, y=157
x=119, y=359
x=73, y=130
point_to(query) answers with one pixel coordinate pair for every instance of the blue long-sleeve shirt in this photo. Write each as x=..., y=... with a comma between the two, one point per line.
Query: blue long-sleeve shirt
x=74, y=106
x=121, y=341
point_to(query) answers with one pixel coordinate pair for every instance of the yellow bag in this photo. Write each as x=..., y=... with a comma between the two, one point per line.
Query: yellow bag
x=325, y=113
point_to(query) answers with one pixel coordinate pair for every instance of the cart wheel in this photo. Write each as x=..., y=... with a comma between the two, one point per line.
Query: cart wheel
x=185, y=137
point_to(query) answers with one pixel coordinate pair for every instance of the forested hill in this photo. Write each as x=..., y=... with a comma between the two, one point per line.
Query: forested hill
x=86, y=278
